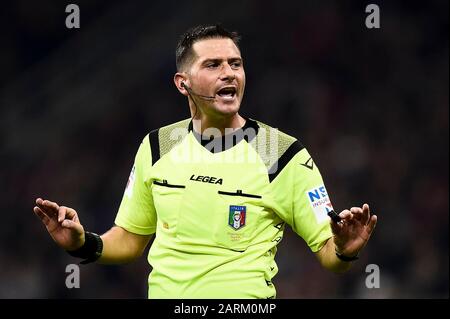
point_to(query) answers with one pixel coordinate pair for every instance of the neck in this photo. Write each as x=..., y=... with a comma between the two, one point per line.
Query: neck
x=216, y=125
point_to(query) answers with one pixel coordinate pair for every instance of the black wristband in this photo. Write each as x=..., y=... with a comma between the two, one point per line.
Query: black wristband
x=91, y=249
x=346, y=258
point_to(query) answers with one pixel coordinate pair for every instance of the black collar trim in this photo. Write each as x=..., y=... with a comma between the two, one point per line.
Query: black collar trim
x=219, y=144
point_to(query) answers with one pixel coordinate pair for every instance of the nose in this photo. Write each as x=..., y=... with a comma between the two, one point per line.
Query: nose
x=227, y=73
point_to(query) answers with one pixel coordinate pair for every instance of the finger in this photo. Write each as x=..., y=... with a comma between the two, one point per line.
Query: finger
x=346, y=215
x=71, y=214
x=372, y=224
x=61, y=213
x=44, y=208
x=42, y=216
x=40, y=204
x=366, y=214
x=67, y=213
x=51, y=204
x=357, y=213
x=51, y=208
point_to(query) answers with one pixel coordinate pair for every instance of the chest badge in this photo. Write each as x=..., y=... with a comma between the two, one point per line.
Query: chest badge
x=237, y=216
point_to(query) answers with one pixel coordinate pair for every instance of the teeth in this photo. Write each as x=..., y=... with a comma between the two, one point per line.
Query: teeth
x=227, y=94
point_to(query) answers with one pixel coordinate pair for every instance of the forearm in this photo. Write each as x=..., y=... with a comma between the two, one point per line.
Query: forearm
x=121, y=246
x=329, y=260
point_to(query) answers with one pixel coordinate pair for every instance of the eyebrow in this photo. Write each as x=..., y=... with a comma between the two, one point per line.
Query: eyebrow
x=218, y=60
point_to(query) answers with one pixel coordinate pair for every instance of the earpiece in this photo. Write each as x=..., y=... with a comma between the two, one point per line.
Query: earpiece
x=190, y=92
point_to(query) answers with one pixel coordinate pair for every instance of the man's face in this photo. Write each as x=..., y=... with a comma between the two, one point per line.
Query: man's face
x=217, y=71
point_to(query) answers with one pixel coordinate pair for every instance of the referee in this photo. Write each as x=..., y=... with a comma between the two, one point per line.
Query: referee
x=216, y=190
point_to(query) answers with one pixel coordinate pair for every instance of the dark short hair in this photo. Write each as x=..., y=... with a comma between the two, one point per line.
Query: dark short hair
x=185, y=54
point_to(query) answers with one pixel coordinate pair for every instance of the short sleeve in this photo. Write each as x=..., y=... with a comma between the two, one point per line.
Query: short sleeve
x=303, y=201
x=136, y=212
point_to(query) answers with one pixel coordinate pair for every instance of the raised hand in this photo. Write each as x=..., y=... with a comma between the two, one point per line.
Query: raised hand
x=352, y=233
x=61, y=222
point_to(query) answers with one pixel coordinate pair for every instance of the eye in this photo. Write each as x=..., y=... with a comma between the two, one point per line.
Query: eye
x=212, y=65
x=236, y=65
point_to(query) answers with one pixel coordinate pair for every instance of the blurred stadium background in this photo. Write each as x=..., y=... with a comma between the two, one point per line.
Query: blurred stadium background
x=370, y=105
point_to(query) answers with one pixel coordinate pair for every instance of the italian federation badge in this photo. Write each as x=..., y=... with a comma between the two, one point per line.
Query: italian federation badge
x=236, y=217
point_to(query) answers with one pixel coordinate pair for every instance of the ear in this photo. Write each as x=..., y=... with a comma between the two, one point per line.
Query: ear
x=179, y=78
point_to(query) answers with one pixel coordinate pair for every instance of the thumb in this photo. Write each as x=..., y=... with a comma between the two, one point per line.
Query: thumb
x=372, y=224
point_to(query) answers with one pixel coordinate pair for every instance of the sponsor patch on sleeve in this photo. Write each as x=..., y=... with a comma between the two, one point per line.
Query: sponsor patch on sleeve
x=130, y=184
x=320, y=203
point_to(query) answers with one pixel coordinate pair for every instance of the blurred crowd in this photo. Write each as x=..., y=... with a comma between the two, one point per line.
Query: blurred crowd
x=371, y=106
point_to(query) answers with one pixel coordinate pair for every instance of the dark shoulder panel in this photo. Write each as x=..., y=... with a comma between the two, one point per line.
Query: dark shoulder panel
x=275, y=148
x=162, y=140
x=154, y=145
x=284, y=159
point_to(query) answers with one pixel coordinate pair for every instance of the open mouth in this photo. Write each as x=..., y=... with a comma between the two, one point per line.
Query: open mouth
x=227, y=93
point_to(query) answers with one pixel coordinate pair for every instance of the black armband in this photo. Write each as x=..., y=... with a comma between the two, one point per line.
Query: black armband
x=91, y=249
x=346, y=258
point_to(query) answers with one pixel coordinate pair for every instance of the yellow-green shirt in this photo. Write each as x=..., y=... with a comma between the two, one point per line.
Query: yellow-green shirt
x=218, y=214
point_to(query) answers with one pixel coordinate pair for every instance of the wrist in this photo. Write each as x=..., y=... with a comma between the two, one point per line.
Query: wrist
x=345, y=258
x=90, y=250
x=78, y=245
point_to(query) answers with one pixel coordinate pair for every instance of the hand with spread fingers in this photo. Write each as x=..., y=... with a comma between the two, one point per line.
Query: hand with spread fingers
x=62, y=223
x=352, y=233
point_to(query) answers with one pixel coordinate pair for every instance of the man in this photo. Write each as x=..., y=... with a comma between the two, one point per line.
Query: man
x=217, y=190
